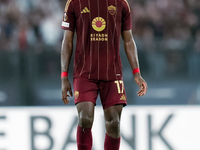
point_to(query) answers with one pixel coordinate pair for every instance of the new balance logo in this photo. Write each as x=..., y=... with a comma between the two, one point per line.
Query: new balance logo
x=123, y=97
x=85, y=10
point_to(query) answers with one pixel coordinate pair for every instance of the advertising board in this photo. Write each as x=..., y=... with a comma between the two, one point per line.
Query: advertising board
x=142, y=128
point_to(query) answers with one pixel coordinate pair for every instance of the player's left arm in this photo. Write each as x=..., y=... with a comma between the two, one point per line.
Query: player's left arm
x=131, y=52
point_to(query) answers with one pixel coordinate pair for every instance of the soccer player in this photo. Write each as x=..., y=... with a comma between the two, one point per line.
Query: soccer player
x=97, y=65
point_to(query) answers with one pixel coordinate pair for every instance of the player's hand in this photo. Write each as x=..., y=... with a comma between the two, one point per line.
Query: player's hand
x=66, y=87
x=142, y=84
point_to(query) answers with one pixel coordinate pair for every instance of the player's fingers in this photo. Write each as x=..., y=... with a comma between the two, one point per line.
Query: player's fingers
x=141, y=89
x=66, y=101
x=64, y=98
x=145, y=87
x=70, y=92
x=139, y=92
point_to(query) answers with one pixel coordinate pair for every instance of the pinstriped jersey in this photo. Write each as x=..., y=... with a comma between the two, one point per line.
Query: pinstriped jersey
x=98, y=25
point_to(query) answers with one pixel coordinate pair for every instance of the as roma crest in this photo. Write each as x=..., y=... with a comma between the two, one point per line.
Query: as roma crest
x=112, y=9
x=76, y=94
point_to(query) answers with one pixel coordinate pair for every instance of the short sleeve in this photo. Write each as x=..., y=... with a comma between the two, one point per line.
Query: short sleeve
x=126, y=17
x=69, y=18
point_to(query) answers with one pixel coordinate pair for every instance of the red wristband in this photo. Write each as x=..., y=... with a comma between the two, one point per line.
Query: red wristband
x=136, y=70
x=64, y=74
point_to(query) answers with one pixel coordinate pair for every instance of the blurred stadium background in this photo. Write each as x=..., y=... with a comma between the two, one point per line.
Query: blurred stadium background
x=167, y=34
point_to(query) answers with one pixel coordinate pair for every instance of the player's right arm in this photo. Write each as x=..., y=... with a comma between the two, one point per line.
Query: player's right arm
x=66, y=53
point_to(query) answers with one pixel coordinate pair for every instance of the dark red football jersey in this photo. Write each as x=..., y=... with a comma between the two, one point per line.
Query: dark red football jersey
x=98, y=25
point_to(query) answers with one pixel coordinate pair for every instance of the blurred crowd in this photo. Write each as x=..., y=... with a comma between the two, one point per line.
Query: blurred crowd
x=26, y=23
x=158, y=26
x=175, y=22
x=35, y=22
x=170, y=27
